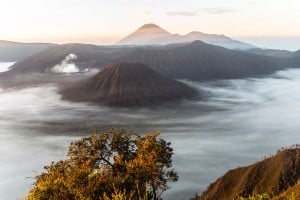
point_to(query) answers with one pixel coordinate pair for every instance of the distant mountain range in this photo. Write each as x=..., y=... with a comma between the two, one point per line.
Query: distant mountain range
x=152, y=34
x=16, y=51
x=146, y=37
x=194, y=61
x=271, y=52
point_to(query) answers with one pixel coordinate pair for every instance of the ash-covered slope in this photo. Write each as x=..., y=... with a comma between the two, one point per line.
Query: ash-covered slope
x=200, y=61
x=273, y=175
x=128, y=84
x=15, y=51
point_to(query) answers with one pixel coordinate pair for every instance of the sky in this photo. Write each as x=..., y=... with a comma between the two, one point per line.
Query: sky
x=269, y=23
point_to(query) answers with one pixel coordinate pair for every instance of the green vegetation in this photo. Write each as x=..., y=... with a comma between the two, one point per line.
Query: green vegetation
x=109, y=165
x=263, y=196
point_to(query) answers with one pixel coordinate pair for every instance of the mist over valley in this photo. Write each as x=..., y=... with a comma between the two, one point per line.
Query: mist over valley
x=36, y=127
x=95, y=105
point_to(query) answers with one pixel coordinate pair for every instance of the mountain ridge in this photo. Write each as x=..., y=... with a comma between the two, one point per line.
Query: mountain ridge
x=16, y=51
x=152, y=34
x=196, y=60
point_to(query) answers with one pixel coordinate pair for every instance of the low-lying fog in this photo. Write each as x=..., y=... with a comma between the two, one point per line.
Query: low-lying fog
x=239, y=122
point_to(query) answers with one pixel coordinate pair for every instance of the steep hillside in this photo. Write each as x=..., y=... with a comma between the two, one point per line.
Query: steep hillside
x=273, y=175
x=128, y=84
x=292, y=193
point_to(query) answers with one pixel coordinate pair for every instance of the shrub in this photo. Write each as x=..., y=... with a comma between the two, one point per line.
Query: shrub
x=111, y=164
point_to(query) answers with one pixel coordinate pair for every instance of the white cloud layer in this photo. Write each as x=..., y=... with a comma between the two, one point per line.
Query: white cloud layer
x=231, y=126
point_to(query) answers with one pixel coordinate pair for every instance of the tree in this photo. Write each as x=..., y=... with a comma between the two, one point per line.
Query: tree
x=107, y=165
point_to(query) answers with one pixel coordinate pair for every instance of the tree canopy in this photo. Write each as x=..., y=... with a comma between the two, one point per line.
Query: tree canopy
x=112, y=164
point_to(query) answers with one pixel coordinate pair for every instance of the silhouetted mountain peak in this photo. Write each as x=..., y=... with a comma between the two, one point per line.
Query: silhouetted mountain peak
x=151, y=28
x=146, y=34
x=150, y=25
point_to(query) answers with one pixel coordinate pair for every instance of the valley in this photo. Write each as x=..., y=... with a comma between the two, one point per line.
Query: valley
x=206, y=141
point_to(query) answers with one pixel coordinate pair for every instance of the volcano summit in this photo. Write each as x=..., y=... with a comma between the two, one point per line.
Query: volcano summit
x=129, y=84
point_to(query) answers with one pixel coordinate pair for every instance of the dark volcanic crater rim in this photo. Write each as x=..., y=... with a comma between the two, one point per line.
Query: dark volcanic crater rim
x=129, y=85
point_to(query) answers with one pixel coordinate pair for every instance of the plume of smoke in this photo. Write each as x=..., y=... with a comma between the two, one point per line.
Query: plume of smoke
x=5, y=66
x=67, y=65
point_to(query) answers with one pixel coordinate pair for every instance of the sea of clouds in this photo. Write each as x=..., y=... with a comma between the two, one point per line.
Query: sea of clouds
x=238, y=122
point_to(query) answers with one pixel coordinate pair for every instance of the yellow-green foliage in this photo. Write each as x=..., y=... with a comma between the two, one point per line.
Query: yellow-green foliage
x=292, y=193
x=122, y=195
x=109, y=165
x=264, y=196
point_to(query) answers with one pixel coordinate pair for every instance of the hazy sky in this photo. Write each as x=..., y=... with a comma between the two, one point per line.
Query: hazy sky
x=106, y=21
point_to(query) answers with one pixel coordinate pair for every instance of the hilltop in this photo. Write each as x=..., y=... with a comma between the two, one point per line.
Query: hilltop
x=277, y=175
